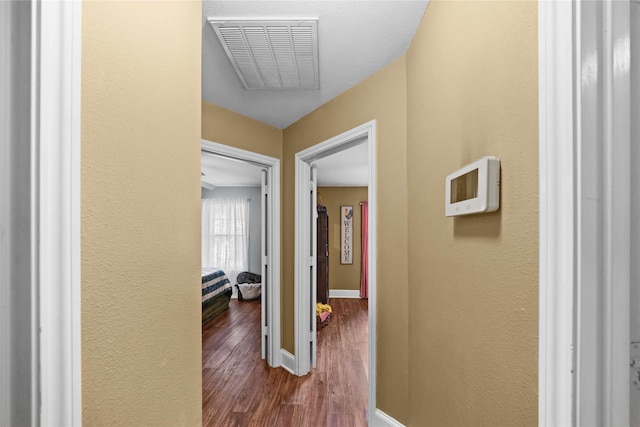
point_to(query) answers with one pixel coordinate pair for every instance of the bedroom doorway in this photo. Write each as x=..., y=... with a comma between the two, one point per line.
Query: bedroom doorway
x=269, y=257
x=306, y=163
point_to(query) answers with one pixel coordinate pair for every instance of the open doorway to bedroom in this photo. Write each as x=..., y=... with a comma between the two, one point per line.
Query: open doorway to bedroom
x=240, y=251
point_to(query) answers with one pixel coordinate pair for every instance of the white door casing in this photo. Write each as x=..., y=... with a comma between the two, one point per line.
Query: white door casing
x=264, y=262
x=584, y=213
x=48, y=114
x=304, y=290
x=271, y=244
x=635, y=211
x=313, y=263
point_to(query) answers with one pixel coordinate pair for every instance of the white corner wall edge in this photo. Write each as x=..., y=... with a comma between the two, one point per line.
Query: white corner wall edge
x=380, y=419
x=343, y=293
x=288, y=361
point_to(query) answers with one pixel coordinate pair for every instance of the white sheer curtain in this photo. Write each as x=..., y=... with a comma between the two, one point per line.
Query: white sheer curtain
x=225, y=235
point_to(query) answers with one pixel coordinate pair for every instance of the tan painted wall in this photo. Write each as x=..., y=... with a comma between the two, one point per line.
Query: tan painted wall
x=344, y=276
x=226, y=127
x=473, y=322
x=141, y=341
x=381, y=97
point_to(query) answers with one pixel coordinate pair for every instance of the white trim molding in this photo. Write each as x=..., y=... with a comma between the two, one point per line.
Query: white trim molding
x=274, y=356
x=380, y=419
x=56, y=167
x=603, y=191
x=584, y=64
x=45, y=108
x=288, y=361
x=557, y=193
x=343, y=293
x=365, y=133
x=304, y=287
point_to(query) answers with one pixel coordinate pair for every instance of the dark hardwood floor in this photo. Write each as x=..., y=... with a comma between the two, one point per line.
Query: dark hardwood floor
x=240, y=389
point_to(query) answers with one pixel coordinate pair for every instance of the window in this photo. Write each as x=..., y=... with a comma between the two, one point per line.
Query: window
x=225, y=235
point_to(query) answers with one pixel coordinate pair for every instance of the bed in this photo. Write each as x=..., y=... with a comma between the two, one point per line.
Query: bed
x=216, y=293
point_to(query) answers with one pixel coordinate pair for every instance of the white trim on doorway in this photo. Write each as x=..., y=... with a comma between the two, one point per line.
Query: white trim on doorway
x=584, y=213
x=343, y=293
x=274, y=356
x=56, y=167
x=51, y=119
x=363, y=134
x=556, y=234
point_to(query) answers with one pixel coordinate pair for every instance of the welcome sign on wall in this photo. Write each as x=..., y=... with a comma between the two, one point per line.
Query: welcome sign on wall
x=346, y=235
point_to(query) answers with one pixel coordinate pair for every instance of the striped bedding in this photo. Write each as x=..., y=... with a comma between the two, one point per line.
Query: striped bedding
x=214, y=282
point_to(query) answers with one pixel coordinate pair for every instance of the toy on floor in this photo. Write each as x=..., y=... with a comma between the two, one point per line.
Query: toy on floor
x=323, y=315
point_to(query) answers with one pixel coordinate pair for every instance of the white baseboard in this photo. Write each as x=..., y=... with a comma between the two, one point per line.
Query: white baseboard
x=343, y=293
x=381, y=419
x=288, y=361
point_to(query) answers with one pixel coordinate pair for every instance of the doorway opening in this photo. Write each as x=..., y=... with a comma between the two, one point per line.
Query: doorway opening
x=269, y=257
x=306, y=247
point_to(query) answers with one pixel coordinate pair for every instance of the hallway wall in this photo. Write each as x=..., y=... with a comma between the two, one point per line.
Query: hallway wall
x=140, y=266
x=226, y=127
x=473, y=281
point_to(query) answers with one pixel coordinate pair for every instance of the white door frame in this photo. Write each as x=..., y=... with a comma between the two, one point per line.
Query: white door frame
x=57, y=167
x=584, y=113
x=54, y=212
x=272, y=165
x=364, y=134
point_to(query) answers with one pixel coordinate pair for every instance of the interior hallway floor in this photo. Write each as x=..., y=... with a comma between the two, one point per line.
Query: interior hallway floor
x=240, y=389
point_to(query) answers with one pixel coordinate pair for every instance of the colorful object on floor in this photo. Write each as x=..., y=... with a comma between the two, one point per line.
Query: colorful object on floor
x=323, y=315
x=322, y=307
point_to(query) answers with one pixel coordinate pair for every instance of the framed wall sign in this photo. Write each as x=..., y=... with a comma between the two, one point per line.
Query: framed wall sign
x=346, y=234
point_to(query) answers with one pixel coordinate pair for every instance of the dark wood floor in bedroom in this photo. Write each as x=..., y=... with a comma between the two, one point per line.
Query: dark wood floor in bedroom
x=239, y=389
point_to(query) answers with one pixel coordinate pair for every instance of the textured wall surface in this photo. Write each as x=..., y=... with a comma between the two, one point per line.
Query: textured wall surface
x=141, y=335
x=381, y=97
x=232, y=129
x=473, y=322
x=344, y=276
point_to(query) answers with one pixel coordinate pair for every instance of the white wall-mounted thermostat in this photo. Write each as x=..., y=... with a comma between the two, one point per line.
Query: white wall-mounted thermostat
x=473, y=189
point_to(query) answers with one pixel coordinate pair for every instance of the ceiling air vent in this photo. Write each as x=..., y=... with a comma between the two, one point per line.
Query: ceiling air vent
x=273, y=54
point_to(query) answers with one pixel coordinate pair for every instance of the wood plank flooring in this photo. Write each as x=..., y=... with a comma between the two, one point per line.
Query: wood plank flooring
x=240, y=389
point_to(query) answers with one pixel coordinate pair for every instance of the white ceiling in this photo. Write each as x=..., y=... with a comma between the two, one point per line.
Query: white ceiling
x=355, y=40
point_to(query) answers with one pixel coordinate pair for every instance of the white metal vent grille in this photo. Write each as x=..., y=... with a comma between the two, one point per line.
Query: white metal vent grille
x=274, y=54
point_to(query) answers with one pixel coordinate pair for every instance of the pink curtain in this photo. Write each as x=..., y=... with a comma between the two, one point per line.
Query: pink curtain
x=364, y=279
